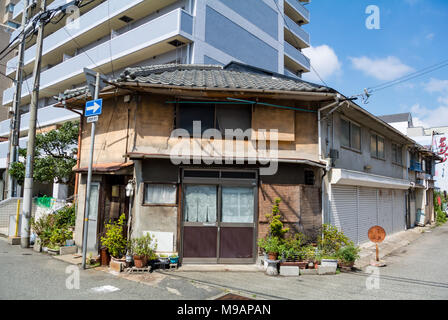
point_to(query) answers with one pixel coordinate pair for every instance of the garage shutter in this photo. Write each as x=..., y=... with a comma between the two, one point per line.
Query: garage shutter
x=344, y=209
x=368, y=212
x=399, y=219
x=385, y=216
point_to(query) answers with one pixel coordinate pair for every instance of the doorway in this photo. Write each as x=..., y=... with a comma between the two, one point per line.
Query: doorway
x=219, y=216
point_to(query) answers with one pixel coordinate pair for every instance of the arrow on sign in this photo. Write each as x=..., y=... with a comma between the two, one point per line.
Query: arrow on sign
x=94, y=108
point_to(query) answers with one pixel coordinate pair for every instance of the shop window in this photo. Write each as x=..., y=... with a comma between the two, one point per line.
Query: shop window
x=350, y=135
x=160, y=194
x=377, y=147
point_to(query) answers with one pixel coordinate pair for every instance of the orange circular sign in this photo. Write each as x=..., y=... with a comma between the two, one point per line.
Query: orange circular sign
x=377, y=234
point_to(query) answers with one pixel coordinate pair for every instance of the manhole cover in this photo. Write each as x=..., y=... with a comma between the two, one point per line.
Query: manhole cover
x=231, y=296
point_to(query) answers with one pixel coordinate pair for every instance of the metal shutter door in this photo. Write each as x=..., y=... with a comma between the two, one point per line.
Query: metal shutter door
x=399, y=220
x=385, y=217
x=344, y=208
x=368, y=212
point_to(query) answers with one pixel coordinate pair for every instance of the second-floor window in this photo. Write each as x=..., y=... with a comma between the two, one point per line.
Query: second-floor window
x=350, y=135
x=377, y=147
x=214, y=116
x=397, y=154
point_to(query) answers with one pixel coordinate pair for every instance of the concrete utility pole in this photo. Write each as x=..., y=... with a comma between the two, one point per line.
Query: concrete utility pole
x=89, y=180
x=29, y=171
x=15, y=120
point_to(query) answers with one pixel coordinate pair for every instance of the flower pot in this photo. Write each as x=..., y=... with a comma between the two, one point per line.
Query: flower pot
x=105, y=257
x=140, y=261
x=272, y=256
x=329, y=262
x=347, y=266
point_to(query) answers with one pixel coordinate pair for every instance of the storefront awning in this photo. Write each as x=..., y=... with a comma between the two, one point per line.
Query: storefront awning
x=105, y=167
x=356, y=178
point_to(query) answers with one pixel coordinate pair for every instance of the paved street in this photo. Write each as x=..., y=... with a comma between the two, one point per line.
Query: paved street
x=417, y=271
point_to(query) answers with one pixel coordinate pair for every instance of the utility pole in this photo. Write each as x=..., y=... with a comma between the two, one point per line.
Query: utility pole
x=15, y=120
x=89, y=179
x=29, y=170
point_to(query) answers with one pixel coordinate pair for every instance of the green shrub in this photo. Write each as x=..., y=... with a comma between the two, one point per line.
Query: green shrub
x=275, y=225
x=440, y=217
x=114, y=240
x=59, y=236
x=144, y=246
x=348, y=254
x=270, y=244
x=332, y=240
x=66, y=217
x=292, y=246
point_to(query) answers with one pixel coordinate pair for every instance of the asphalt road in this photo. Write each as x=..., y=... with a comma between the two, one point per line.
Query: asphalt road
x=417, y=271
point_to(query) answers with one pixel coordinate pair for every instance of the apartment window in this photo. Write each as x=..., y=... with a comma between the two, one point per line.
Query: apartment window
x=397, y=154
x=213, y=116
x=160, y=194
x=13, y=24
x=377, y=147
x=350, y=135
x=10, y=7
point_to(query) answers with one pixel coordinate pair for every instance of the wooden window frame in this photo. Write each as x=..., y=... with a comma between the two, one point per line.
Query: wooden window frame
x=171, y=205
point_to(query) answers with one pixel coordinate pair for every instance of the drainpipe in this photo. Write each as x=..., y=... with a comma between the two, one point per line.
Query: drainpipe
x=335, y=104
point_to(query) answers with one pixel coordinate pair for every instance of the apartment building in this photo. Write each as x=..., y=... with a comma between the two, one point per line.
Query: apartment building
x=109, y=36
x=7, y=26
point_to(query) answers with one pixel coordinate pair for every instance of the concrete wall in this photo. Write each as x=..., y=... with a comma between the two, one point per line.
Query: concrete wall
x=353, y=160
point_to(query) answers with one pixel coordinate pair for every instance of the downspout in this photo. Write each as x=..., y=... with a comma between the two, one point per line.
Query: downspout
x=321, y=158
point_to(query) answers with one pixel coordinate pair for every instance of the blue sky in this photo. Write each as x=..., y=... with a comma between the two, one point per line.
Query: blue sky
x=350, y=57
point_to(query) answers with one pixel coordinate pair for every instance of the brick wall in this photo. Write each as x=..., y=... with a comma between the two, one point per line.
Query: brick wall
x=300, y=208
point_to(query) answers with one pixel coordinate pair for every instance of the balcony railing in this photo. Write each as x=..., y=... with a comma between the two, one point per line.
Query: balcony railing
x=297, y=57
x=299, y=8
x=144, y=41
x=302, y=36
x=86, y=23
x=415, y=166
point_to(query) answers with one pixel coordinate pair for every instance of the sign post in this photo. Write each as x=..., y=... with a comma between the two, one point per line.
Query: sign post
x=92, y=111
x=377, y=235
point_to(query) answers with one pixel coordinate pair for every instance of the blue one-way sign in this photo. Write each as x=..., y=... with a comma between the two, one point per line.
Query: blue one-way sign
x=93, y=108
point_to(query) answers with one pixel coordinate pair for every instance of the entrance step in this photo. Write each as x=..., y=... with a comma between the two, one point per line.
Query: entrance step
x=219, y=268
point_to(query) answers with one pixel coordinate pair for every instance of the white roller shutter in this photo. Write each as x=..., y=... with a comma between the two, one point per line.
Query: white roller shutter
x=368, y=212
x=385, y=216
x=344, y=208
x=399, y=219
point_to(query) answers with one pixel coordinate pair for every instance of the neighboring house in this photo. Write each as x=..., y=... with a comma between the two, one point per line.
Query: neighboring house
x=114, y=34
x=211, y=211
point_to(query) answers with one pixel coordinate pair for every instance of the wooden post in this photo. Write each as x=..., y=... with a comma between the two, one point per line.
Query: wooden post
x=377, y=253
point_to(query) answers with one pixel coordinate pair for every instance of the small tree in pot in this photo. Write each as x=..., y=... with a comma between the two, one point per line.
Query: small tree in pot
x=348, y=256
x=114, y=239
x=143, y=248
x=271, y=246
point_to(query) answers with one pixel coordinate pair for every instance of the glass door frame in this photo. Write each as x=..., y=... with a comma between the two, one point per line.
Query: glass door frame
x=220, y=183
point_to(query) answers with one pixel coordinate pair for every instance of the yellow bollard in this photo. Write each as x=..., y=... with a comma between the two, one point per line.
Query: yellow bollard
x=17, y=218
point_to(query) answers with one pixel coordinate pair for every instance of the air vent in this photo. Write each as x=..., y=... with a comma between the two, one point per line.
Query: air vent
x=126, y=19
x=176, y=43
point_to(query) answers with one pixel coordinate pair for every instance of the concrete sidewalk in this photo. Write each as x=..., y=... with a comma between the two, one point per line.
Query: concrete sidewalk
x=390, y=244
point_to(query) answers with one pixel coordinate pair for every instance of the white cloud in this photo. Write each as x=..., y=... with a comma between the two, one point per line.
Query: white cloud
x=437, y=85
x=324, y=60
x=384, y=69
x=428, y=118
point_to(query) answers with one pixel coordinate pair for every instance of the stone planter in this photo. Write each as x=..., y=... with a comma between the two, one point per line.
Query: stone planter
x=37, y=245
x=68, y=250
x=329, y=263
x=53, y=252
x=117, y=265
x=289, y=269
x=272, y=269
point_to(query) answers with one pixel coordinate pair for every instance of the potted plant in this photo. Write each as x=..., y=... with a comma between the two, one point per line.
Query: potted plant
x=270, y=245
x=142, y=249
x=348, y=256
x=114, y=240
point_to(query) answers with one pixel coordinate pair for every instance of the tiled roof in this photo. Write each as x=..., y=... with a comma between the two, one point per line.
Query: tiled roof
x=232, y=76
